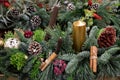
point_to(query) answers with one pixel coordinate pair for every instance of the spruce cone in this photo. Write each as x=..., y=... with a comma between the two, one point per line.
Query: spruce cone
x=15, y=13
x=34, y=48
x=107, y=38
x=31, y=9
x=35, y=20
x=94, y=6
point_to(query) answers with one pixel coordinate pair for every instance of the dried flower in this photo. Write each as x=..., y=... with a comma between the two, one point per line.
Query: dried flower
x=12, y=43
x=59, y=66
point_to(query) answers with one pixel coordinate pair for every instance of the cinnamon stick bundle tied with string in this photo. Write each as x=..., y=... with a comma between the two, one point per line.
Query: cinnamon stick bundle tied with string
x=52, y=56
x=93, y=58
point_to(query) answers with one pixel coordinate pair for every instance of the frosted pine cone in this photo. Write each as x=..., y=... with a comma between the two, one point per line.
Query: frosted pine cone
x=35, y=20
x=70, y=6
x=15, y=13
x=31, y=9
x=94, y=6
x=34, y=48
x=107, y=38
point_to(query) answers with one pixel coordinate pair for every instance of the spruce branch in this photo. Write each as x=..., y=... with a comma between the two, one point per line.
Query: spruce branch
x=67, y=57
x=106, y=56
x=72, y=65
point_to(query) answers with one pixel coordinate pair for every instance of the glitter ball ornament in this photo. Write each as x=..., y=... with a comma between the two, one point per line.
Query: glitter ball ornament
x=15, y=13
x=107, y=37
x=34, y=48
x=28, y=34
x=59, y=66
x=31, y=9
x=35, y=20
x=12, y=43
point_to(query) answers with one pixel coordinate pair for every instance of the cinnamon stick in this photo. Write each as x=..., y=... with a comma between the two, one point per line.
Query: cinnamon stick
x=93, y=58
x=48, y=61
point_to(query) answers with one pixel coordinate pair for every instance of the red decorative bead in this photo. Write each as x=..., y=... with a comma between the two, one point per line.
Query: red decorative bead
x=28, y=34
x=96, y=16
x=40, y=5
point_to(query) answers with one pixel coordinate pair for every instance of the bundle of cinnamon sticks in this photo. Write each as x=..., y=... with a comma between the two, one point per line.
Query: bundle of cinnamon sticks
x=93, y=58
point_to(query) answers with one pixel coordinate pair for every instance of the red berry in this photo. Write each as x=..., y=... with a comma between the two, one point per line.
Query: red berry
x=89, y=2
x=6, y=4
x=28, y=34
x=96, y=16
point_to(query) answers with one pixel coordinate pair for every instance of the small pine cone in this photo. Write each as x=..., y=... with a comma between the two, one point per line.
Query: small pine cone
x=31, y=9
x=94, y=6
x=70, y=6
x=34, y=48
x=35, y=20
x=107, y=38
x=15, y=13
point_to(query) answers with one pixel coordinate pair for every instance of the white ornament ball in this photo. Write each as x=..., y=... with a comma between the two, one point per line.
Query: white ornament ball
x=12, y=43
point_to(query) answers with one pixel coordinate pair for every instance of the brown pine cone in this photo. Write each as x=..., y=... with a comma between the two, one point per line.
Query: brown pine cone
x=94, y=6
x=15, y=13
x=31, y=9
x=35, y=20
x=34, y=48
x=107, y=38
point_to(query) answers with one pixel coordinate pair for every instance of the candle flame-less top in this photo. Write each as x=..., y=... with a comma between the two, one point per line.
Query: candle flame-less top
x=79, y=23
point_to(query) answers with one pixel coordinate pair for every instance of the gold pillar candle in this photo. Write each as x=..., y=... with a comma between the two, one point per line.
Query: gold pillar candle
x=79, y=32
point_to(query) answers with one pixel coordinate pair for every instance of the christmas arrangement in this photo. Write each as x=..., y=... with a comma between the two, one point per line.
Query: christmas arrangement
x=60, y=40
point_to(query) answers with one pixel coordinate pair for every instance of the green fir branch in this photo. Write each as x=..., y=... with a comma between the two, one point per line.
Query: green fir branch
x=106, y=56
x=72, y=65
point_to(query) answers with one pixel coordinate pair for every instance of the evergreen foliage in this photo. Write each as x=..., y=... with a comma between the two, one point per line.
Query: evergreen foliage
x=13, y=61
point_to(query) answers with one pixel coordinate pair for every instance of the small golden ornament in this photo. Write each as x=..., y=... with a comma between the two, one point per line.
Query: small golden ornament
x=1, y=42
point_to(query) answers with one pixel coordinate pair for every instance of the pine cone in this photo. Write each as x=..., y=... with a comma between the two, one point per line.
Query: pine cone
x=35, y=20
x=70, y=6
x=94, y=6
x=107, y=38
x=34, y=48
x=31, y=9
x=15, y=13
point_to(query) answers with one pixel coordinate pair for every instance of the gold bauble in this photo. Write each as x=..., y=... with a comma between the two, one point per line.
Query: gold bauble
x=1, y=42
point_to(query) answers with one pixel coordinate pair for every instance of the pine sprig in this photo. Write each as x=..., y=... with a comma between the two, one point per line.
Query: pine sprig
x=72, y=65
x=105, y=57
x=91, y=40
x=84, y=72
x=67, y=57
